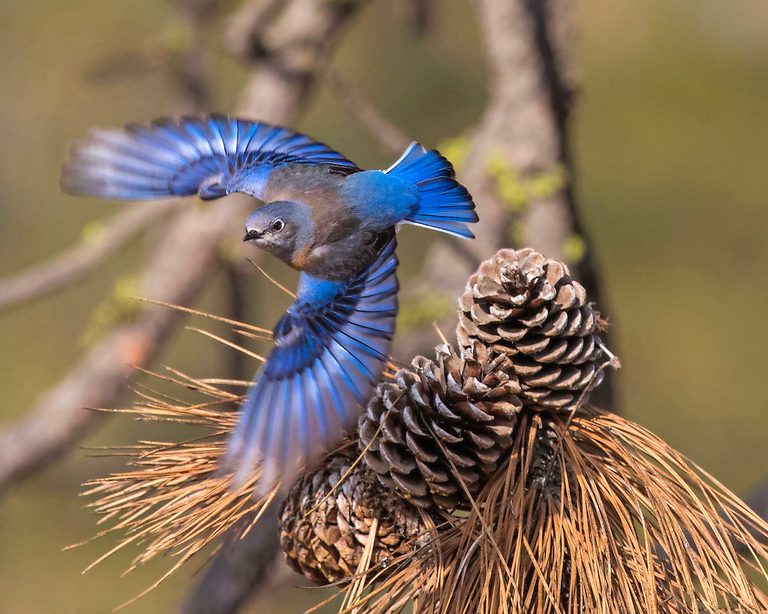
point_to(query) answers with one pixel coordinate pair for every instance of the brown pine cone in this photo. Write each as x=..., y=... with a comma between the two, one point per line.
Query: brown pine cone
x=468, y=407
x=323, y=533
x=521, y=305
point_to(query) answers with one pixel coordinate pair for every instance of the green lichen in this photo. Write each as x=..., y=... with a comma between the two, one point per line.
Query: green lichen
x=93, y=232
x=516, y=190
x=456, y=150
x=119, y=307
x=574, y=249
x=177, y=37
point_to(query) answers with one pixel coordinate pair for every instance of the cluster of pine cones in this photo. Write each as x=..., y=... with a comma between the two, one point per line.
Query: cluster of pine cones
x=431, y=438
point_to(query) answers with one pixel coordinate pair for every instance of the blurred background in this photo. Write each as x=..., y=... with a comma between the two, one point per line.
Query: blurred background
x=669, y=140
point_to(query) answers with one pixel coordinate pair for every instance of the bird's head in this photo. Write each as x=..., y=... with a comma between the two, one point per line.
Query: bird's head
x=280, y=227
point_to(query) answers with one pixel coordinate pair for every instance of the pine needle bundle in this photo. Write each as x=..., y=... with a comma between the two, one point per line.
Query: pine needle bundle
x=592, y=514
x=174, y=499
x=481, y=481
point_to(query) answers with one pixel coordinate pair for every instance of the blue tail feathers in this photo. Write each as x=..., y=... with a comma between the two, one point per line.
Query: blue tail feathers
x=444, y=204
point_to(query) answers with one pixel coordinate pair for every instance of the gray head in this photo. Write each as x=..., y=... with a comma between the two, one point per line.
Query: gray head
x=281, y=227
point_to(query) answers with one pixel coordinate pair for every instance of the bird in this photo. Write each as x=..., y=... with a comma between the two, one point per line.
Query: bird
x=322, y=215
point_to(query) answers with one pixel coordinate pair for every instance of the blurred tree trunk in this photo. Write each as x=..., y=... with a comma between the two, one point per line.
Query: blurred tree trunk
x=518, y=164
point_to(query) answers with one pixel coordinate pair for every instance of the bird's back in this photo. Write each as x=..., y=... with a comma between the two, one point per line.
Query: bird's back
x=382, y=200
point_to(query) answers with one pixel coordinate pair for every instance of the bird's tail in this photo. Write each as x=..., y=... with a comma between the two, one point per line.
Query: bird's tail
x=444, y=204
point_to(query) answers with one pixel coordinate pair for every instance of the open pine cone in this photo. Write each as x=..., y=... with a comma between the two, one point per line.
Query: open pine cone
x=522, y=305
x=325, y=525
x=439, y=418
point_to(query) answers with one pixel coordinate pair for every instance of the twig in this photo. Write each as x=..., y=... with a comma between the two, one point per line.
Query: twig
x=245, y=28
x=389, y=136
x=63, y=270
x=190, y=67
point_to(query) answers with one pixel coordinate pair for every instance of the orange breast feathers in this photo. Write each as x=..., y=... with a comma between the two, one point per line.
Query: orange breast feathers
x=299, y=258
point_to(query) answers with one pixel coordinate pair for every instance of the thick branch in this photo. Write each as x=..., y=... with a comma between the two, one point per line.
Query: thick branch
x=237, y=570
x=76, y=263
x=520, y=127
x=177, y=270
x=529, y=49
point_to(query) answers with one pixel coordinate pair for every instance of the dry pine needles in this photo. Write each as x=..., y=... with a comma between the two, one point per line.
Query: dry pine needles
x=479, y=482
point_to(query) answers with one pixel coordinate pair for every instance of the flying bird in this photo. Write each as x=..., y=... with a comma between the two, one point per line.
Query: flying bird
x=325, y=217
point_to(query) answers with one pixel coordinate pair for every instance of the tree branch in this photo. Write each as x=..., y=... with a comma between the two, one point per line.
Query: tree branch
x=237, y=570
x=522, y=139
x=518, y=127
x=244, y=30
x=390, y=137
x=176, y=272
x=63, y=270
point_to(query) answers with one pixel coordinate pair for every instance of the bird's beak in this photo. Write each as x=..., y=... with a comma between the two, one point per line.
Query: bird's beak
x=252, y=234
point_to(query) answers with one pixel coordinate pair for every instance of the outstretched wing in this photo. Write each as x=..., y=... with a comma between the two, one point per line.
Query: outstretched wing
x=330, y=349
x=210, y=156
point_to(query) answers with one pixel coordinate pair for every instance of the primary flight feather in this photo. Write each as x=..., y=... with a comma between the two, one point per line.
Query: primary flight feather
x=323, y=216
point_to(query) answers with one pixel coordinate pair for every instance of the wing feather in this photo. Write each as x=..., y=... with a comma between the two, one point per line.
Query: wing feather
x=327, y=358
x=210, y=156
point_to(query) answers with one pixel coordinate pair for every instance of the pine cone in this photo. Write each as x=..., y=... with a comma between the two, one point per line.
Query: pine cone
x=323, y=533
x=467, y=406
x=521, y=305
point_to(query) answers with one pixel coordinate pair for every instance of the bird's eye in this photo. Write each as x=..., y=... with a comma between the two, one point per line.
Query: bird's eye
x=278, y=225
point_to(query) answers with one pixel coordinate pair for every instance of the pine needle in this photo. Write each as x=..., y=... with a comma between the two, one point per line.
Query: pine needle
x=590, y=513
x=623, y=523
x=272, y=279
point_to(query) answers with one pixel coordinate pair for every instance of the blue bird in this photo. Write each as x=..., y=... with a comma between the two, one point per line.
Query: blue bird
x=323, y=216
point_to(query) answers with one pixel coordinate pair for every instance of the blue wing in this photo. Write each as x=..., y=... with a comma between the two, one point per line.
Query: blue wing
x=210, y=156
x=330, y=349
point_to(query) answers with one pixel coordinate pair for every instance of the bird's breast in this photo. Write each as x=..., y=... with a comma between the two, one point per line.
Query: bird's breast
x=342, y=259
